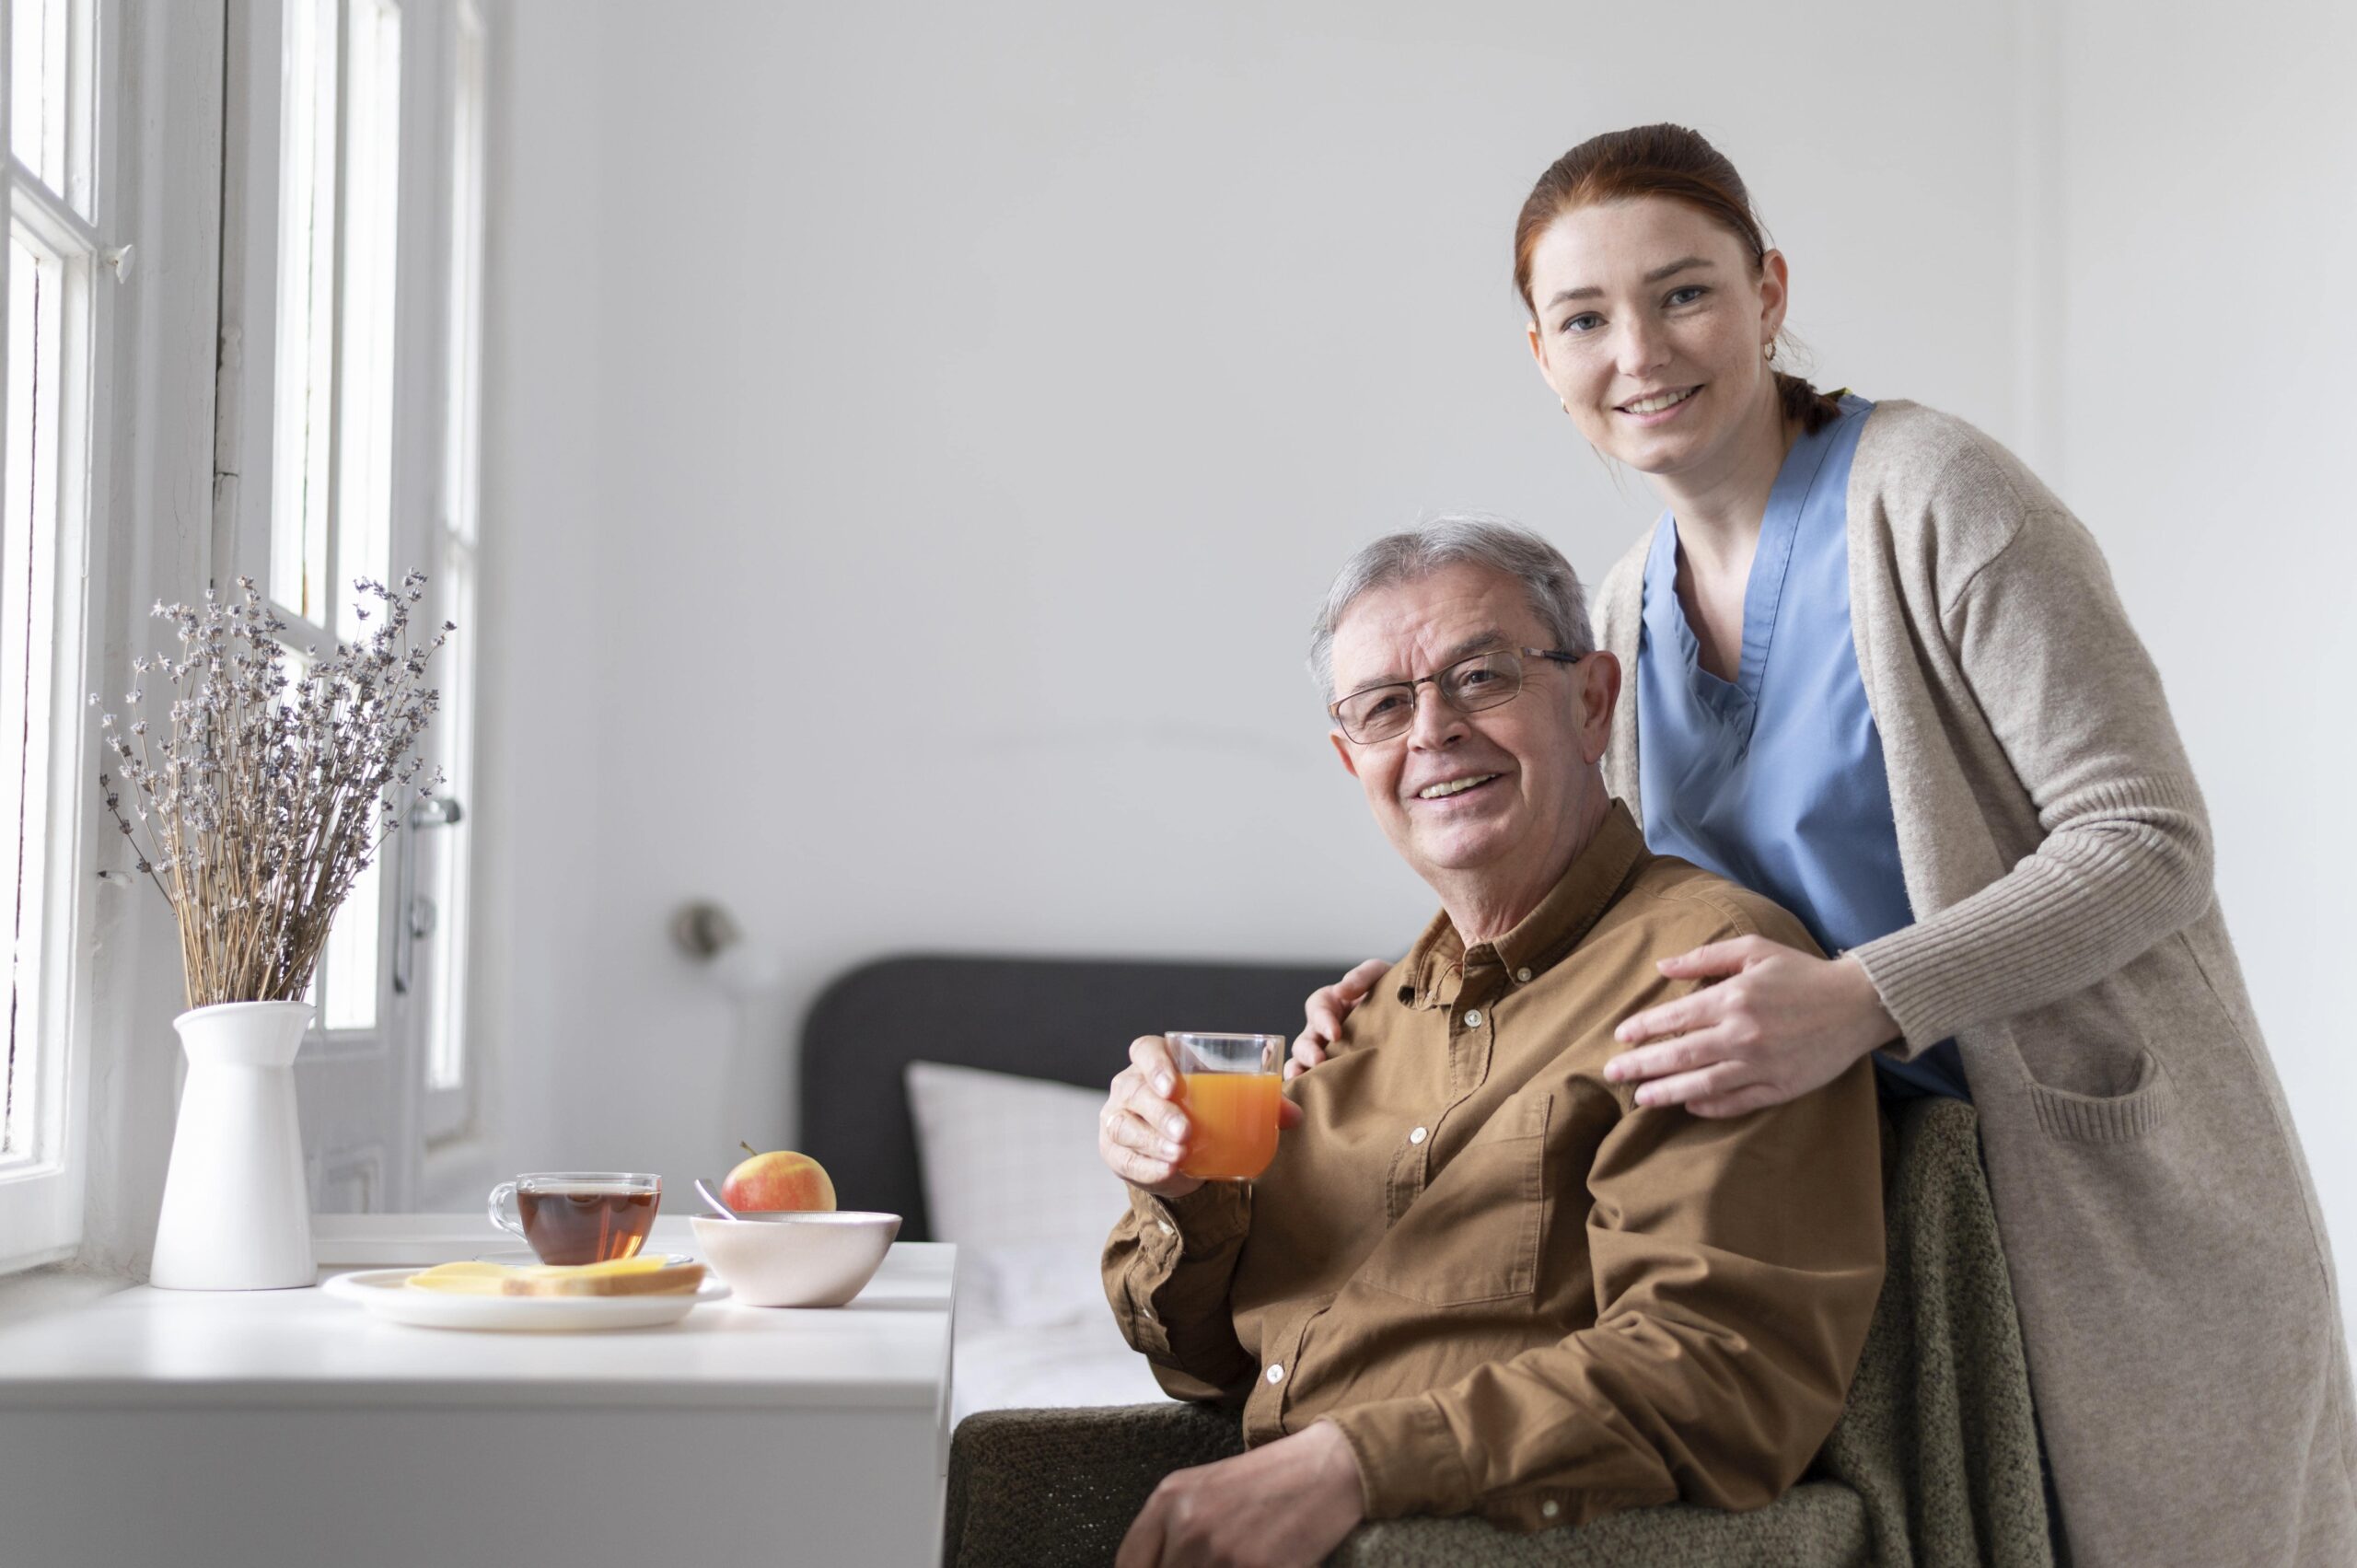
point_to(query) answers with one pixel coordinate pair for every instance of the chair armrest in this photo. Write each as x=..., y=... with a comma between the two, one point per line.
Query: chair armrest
x=1058, y=1489
x=1042, y=1487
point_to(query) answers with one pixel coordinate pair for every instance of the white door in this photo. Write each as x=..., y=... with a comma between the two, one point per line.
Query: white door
x=350, y=234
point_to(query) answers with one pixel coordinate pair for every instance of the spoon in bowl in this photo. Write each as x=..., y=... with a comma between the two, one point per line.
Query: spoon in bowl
x=703, y=1189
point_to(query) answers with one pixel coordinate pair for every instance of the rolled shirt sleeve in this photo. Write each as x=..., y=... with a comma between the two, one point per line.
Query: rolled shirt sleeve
x=1735, y=1270
x=1167, y=1266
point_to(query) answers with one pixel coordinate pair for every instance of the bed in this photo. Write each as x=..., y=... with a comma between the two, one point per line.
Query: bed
x=962, y=1092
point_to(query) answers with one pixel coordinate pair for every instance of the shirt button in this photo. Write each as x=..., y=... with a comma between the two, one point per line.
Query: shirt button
x=1417, y=1137
x=1550, y=1508
x=1474, y=1017
x=1276, y=1374
x=1522, y=975
x=1167, y=1227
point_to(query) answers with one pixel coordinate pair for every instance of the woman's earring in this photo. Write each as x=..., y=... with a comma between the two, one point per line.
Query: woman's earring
x=1771, y=351
x=1567, y=407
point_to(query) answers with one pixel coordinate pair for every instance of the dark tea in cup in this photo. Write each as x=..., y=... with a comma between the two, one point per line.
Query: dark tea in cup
x=578, y=1216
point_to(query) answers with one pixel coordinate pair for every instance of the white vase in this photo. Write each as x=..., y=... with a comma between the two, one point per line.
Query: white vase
x=237, y=1210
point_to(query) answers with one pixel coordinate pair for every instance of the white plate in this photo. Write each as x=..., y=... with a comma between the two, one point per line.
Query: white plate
x=382, y=1292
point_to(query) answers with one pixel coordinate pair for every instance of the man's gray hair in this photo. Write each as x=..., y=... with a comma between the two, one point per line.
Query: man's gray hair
x=1464, y=538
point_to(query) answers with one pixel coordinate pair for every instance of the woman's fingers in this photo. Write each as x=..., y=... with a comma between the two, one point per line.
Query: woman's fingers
x=1718, y=1081
x=1697, y=1011
x=1323, y=1013
x=1716, y=957
x=1684, y=1052
x=1329, y=1004
x=1354, y=986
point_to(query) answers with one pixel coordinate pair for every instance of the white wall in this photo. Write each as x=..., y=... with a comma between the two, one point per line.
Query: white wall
x=917, y=438
x=2204, y=389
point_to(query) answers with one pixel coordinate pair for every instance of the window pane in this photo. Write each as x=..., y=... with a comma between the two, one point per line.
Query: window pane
x=27, y=545
x=348, y=968
x=36, y=64
x=305, y=391
x=371, y=208
x=444, y=853
x=466, y=280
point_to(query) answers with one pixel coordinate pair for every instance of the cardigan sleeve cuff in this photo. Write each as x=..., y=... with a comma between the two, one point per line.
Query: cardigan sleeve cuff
x=1904, y=974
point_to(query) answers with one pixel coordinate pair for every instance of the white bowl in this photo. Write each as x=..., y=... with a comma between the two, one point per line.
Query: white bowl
x=810, y=1257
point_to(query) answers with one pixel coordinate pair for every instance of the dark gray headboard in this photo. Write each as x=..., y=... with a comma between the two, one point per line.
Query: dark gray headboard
x=1065, y=1019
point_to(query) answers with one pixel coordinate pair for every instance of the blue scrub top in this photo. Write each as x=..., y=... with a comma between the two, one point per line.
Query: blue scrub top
x=1776, y=781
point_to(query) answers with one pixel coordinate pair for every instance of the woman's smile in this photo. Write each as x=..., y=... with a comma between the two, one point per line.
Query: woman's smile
x=1657, y=407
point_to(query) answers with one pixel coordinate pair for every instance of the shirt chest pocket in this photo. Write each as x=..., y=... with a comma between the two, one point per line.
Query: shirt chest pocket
x=1473, y=1233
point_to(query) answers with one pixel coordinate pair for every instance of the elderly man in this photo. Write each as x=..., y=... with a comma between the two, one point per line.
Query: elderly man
x=1478, y=1276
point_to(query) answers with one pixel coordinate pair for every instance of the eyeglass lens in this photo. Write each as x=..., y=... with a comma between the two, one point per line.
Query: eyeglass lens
x=1483, y=681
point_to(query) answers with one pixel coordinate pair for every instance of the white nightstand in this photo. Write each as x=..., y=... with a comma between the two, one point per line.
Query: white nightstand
x=283, y=1427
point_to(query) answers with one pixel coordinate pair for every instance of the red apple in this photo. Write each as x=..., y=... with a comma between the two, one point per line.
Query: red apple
x=780, y=1179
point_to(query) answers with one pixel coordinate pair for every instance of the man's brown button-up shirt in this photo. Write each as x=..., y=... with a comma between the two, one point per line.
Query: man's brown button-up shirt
x=1513, y=1288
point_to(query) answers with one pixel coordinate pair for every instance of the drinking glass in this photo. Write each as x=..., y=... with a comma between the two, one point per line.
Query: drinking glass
x=1229, y=1086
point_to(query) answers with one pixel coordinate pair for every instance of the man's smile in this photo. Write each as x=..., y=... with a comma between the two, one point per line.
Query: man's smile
x=1445, y=789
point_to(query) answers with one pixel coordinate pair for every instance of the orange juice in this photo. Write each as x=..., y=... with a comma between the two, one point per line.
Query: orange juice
x=1232, y=1117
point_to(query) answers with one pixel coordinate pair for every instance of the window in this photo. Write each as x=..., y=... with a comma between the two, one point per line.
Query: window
x=332, y=488
x=351, y=286
x=49, y=278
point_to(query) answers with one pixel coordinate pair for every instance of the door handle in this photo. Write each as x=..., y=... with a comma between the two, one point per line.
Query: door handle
x=415, y=916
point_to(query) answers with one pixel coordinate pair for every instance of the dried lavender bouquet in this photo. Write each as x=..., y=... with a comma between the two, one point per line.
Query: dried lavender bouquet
x=268, y=795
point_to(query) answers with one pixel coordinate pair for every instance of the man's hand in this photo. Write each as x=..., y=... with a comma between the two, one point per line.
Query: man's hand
x=1780, y=1024
x=1142, y=1132
x=1286, y=1504
x=1323, y=1013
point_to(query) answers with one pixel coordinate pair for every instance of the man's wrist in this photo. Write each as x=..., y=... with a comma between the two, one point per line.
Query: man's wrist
x=1340, y=1461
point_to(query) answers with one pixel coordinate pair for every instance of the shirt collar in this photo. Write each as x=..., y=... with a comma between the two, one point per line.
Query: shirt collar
x=1436, y=964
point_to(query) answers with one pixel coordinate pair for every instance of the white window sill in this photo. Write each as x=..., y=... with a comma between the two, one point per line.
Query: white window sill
x=41, y=1291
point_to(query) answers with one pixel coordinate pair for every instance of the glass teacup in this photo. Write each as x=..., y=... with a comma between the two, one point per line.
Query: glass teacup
x=579, y=1216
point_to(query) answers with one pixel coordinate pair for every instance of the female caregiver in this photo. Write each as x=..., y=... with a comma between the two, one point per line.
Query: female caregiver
x=1882, y=675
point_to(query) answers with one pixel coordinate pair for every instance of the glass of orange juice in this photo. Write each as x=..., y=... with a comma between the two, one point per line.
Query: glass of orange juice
x=1229, y=1086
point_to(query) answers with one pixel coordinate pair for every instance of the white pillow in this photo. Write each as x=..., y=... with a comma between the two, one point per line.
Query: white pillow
x=1013, y=1177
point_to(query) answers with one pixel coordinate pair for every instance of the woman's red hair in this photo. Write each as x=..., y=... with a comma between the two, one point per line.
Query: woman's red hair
x=1658, y=160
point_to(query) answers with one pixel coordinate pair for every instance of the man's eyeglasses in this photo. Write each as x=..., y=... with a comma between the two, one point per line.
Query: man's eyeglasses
x=1476, y=681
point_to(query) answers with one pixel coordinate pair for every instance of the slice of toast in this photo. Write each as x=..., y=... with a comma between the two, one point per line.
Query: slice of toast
x=497, y=1279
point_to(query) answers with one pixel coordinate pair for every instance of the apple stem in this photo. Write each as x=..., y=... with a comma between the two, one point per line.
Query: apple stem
x=749, y=1148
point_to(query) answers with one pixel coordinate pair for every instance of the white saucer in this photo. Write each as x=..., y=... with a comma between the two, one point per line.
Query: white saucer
x=382, y=1292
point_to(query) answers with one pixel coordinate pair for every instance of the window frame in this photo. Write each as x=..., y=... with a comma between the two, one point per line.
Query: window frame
x=447, y=1113
x=43, y=1187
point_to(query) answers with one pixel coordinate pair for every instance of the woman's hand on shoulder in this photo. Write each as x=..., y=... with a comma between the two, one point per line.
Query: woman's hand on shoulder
x=1324, y=1011
x=1777, y=1023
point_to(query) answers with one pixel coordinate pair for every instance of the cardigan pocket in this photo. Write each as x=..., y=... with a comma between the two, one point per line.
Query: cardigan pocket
x=2105, y=1119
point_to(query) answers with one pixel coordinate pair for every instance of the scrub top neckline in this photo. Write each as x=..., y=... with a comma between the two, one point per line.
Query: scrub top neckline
x=1763, y=592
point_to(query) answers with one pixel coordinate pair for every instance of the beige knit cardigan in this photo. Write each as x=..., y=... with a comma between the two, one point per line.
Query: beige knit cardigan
x=2167, y=1251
